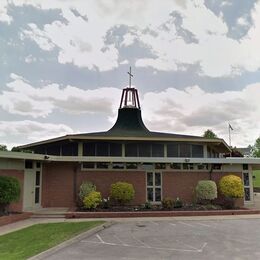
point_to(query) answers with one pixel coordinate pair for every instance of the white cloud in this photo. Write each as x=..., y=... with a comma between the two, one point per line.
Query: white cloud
x=4, y=17
x=192, y=111
x=23, y=99
x=14, y=133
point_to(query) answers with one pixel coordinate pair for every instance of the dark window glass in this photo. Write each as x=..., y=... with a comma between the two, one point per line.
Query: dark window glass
x=88, y=165
x=28, y=164
x=102, y=149
x=38, y=165
x=157, y=194
x=53, y=150
x=118, y=165
x=131, y=165
x=157, y=179
x=160, y=166
x=150, y=194
x=149, y=179
x=247, y=194
x=38, y=178
x=89, y=149
x=246, y=179
x=202, y=166
x=245, y=167
x=144, y=150
x=40, y=150
x=157, y=150
x=188, y=166
x=115, y=149
x=176, y=166
x=216, y=166
x=172, y=150
x=185, y=150
x=102, y=165
x=37, y=195
x=131, y=150
x=197, y=151
x=70, y=149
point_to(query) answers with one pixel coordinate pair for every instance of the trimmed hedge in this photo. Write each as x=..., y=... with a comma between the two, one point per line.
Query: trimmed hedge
x=92, y=200
x=206, y=190
x=122, y=192
x=9, y=191
x=231, y=186
x=85, y=189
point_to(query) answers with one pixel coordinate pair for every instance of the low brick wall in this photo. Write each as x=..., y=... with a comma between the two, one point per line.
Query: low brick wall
x=4, y=220
x=159, y=213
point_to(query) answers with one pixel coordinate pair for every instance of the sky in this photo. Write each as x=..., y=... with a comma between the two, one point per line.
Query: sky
x=196, y=65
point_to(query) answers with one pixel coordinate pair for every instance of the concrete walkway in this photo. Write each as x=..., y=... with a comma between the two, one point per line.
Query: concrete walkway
x=32, y=221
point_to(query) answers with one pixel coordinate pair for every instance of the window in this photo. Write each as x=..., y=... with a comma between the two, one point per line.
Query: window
x=157, y=150
x=144, y=150
x=131, y=166
x=175, y=166
x=202, y=166
x=118, y=165
x=245, y=167
x=172, y=150
x=88, y=165
x=70, y=149
x=102, y=165
x=246, y=182
x=188, y=166
x=28, y=164
x=38, y=165
x=89, y=149
x=154, y=186
x=197, y=151
x=160, y=166
x=102, y=149
x=131, y=150
x=216, y=166
x=53, y=150
x=37, y=187
x=185, y=150
x=115, y=149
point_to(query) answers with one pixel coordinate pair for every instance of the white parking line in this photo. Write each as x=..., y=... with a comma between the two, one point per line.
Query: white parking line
x=154, y=223
x=141, y=242
x=205, y=225
x=172, y=224
x=184, y=223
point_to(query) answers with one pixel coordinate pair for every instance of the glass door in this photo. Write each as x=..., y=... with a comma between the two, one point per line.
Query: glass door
x=154, y=186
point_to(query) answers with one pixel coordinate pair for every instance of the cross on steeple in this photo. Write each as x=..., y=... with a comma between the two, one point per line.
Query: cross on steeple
x=130, y=76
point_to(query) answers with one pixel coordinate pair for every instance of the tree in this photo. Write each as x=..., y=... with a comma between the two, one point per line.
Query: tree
x=3, y=147
x=209, y=134
x=256, y=148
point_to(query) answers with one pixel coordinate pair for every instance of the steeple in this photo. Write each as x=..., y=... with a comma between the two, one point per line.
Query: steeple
x=129, y=96
x=129, y=119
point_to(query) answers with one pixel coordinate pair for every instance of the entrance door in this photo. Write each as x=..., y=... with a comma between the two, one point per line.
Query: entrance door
x=32, y=186
x=154, y=186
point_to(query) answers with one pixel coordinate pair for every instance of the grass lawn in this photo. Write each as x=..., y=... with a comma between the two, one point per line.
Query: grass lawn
x=32, y=240
x=256, y=179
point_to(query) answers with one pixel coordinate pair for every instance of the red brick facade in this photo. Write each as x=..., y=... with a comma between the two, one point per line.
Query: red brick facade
x=19, y=174
x=61, y=181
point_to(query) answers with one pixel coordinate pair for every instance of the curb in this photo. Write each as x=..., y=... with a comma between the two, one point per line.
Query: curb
x=53, y=250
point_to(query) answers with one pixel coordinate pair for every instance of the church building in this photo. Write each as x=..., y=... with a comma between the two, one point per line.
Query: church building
x=159, y=165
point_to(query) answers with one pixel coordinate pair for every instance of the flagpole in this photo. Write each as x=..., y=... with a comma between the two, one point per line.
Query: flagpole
x=229, y=133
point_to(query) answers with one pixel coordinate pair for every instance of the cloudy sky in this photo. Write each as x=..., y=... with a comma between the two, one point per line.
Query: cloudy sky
x=64, y=63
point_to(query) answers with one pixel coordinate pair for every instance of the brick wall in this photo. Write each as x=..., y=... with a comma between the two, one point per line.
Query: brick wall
x=182, y=184
x=61, y=181
x=104, y=179
x=57, y=184
x=19, y=174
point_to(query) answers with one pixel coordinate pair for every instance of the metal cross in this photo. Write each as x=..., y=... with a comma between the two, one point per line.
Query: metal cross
x=130, y=77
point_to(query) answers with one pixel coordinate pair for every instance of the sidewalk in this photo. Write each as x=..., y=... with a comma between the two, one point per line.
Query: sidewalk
x=32, y=221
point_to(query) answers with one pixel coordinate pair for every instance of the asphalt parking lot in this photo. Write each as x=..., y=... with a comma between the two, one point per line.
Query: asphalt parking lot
x=170, y=239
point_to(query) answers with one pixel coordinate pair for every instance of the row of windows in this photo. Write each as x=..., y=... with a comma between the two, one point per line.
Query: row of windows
x=69, y=149
x=157, y=166
x=142, y=150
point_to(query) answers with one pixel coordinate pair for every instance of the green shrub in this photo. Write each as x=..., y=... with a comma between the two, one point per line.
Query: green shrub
x=231, y=186
x=122, y=192
x=206, y=190
x=167, y=203
x=148, y=205
x=178, y=203
x=85, y=189
x=92, y=200
x=9, y=191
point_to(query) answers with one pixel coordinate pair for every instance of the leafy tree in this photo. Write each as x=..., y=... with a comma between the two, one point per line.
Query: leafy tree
x=3, y=147
x=256, y=148
x=209, y=134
